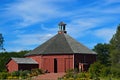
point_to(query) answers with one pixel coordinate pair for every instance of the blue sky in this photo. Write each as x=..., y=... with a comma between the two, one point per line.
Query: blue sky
x=25, y=24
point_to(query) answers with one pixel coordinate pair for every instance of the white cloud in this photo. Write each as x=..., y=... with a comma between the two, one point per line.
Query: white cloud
x=29, y=12
x=81, y=27
x=112, y=1
x=31, y=39
x=33, y=11
x=81, y=19
x=105, y=33
x=49, y=29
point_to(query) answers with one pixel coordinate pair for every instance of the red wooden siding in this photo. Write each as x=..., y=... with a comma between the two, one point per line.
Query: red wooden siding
x=64, y=62
x=12, y=66
x=68, y=64
x=37, y=59
x=46, y=62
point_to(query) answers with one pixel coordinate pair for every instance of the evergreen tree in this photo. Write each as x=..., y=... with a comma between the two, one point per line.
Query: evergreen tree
x=1, y=42
x=115, y=41
x=115, y=53
x=103, y=52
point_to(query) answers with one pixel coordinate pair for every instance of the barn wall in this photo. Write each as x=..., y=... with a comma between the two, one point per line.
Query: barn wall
x=64, y=62
x=12, y=66
x=46, y=62
x=37, y=59
x=86, y=59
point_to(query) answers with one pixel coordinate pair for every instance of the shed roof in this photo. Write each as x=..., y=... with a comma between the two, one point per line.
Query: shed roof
x=61, y=44
x=24, y=60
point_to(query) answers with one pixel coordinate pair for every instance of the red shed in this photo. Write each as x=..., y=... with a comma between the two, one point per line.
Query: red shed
x=15, y=64
x=61, y=53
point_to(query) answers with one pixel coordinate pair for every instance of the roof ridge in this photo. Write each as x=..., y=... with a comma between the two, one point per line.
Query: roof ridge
x=68, y=42
x=78, y=44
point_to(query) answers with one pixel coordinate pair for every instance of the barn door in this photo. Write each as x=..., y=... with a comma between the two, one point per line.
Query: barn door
x=55, y=65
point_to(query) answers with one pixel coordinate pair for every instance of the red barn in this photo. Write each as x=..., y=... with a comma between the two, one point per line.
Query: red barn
x=61, y=53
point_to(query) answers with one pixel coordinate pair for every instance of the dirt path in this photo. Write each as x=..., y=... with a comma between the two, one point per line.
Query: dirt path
x=49, y=76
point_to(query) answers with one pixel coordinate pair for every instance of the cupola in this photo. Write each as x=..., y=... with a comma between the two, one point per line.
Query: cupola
x=62, y=28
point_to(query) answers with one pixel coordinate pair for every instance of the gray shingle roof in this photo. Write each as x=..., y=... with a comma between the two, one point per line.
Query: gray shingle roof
x=61, y=44
x=24, y=60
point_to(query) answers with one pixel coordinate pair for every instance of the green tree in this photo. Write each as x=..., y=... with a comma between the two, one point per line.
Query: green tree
x=1, y=42
x=95, y=69
x=115, y=53
x=115, y=41
x=103, y=51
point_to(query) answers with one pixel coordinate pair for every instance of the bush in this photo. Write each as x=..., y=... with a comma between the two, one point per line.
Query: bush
x=95, y=70
x=73, y=75
x=35, y=72
x=24, y=74
x=39, y=71
x=3, y=75
x=81, y=75
x=105, y=71
x=115, y=71
x=15, y=73
x=70, y=73
x=20, y=74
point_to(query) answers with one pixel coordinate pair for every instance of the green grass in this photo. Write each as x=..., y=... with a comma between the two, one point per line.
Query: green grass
x=108, y=78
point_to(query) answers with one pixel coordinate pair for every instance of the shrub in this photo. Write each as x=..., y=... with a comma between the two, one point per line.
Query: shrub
x=20, y=74
x=35, y=72
x=73, y=75
x=11, y=78
x=70, y=73
x=15, y=73
x=3, y=75
x=95, y=70
x=105, y=71
x=116, y=71
x=24, y=74
x=38, y=71
x=81, y=75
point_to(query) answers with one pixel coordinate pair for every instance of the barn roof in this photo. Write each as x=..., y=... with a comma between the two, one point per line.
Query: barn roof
x=24, y=60
x=61, y=43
